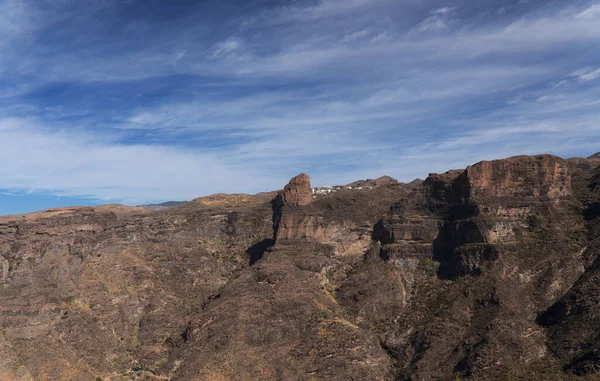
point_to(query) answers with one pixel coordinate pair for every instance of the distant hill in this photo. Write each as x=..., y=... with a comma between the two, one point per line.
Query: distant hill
x=383, y=180
x=163, y=206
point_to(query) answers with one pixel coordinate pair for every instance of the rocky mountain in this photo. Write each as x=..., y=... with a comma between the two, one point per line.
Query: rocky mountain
x=489, y=272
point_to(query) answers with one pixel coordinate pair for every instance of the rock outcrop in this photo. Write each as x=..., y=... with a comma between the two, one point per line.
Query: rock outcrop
x=343, y=219
x=297, y=191
x=290, y=219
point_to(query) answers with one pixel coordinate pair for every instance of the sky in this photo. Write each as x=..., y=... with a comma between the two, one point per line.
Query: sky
x=144, y=101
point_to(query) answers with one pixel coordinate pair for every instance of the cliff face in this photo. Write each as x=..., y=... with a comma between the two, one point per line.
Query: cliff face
x=490, y=272
x=457, y=218
x=511, y=237
x=522, y=176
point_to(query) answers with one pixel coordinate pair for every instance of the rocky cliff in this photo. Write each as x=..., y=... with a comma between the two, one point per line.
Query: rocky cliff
x=510, y=237
x=489, y=272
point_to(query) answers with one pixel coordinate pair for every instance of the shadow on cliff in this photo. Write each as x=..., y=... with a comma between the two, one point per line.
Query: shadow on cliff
x=460, y=245
x=591, y=211
x=258, y=250
x=454, y=250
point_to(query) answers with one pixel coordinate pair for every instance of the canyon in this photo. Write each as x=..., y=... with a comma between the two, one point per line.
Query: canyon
x=489, y=272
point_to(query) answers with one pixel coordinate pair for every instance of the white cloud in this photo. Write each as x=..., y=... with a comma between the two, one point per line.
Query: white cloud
x=444, y=11
x=225, y=48
x=179, y=55
x=358, y=93
x=438, y=20
x=327, y=8
x=303, y=51
x=15, y=17
x=587, y=75
x=358, y=35
x=310, y=53
x=84, y=165
x=591, y=12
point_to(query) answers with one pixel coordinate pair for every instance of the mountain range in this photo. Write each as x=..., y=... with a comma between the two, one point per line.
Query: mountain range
x=491, y=272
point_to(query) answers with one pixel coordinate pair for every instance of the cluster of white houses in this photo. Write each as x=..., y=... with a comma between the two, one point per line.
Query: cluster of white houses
x=320, y=191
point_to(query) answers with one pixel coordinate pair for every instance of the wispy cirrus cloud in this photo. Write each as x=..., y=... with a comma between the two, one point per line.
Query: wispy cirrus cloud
x=438, y=20
x=73, y=164
x=591, y=12
x=586, y=75
x=138, y=102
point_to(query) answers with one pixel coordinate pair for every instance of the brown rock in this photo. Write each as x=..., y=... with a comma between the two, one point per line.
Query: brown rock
x=297, y=192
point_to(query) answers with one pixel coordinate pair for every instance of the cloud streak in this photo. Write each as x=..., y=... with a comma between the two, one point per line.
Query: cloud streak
x=69, y=164
x=135, y=102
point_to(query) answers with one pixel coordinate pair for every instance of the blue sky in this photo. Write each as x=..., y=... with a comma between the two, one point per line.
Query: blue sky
x=135, y=101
